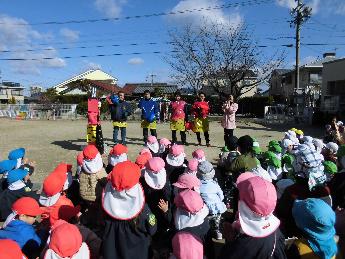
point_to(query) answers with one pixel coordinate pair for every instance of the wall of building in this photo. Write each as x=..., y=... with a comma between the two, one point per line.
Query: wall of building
x=7, y=94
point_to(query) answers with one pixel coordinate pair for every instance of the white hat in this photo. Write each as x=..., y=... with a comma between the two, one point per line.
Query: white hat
x=333, y=147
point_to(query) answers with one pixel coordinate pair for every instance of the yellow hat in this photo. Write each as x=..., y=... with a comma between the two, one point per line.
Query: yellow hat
x=299, y=132
x=293, y=129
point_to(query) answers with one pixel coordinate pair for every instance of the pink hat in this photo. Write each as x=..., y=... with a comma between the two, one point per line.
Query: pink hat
x=187, y=181
x=189, y=201
x=193, y=164
x=258, y=194
x=151, y=139
x=257, y=201
x=187, y=245
x=155, y=164
x=176, y=150
x=164, y=142
x=198, y=154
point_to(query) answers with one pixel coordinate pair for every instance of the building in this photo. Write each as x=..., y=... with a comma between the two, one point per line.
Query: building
x=94, y=75
x=248, y=79
x=310, y=81
x=137, y=89
x=277, y=82
x=10, y=91
x=333, y=86
x=36, y=90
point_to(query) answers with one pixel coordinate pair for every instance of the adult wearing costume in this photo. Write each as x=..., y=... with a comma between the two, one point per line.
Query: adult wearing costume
x=178, y=118
x=200, y=111
x=120, y=110
x=229, y=119
x=149, y=114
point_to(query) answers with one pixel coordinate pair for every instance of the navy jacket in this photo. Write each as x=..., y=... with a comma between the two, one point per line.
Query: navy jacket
x=120, y=111
x=148, y=107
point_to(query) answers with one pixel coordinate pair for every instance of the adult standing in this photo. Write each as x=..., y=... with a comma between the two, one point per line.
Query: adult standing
x=229, y=118
x=120, y=110
x=200, y=110
x=149, y=115
x=178, y=118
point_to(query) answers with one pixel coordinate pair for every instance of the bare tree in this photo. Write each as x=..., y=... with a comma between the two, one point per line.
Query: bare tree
x=224, y=58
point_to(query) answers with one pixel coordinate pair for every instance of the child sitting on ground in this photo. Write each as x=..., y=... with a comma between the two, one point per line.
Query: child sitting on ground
x=212, y=195
x=164, y=145
x=16, y=189
x=5, y=167
x=65, y=242
x=116, y=155
x=192, y=167
x=153, y=146
x=18, y=226
x=175, y=163
x=199, y=155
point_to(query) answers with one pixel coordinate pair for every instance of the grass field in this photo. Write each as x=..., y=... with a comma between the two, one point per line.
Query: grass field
x=51, y=142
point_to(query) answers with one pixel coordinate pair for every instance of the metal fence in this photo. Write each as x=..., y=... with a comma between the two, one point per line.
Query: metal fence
x=38, y=111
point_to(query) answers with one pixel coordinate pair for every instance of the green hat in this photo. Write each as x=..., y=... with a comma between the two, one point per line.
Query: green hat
x=330, y=167
x=288, y=159
x=341, y=151
x=274, y=146
x=225, y=149
x=272, y=159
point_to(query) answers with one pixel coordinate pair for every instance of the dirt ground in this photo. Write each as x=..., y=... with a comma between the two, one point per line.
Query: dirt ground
x=51, y=142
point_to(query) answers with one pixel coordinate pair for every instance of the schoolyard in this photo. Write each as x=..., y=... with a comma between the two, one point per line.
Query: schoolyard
x=51, y=142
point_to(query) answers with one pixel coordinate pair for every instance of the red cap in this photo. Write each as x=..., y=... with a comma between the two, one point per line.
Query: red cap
x=65, y=240
x=155, y=164
x=54, y=183
x=27, y=206
x=258, y=194
x=62, y=169
x=124, y=176
x=90, y=152
x=80, y=158
x=142, y=159
x=189, y=200
x=10, y=250
x=119, y=149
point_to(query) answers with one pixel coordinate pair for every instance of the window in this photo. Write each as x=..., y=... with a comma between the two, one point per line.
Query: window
x=315, y=78
x=3, y=91
x=17, y=92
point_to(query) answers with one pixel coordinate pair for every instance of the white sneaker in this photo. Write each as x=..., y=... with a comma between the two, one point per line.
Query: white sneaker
x=219, y=235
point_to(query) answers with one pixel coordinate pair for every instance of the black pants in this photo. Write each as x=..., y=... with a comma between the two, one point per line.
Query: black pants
x=228, y=133
x=174, y=137
x=146, y=133
x=207, y=137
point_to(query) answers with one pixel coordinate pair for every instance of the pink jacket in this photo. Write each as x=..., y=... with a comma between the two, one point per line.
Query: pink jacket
x=229, y=119
x=177, y=110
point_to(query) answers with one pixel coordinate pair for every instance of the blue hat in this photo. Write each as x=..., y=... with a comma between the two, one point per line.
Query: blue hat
x=16, y=153
x=316, y=219
x=7, y=165
x=15, y=175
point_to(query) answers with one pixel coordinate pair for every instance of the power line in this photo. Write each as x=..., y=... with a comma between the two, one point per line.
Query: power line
x=209, y=8
x=115, y=54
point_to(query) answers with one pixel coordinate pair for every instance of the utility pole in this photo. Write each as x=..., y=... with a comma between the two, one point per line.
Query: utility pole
x=152, y=76
x=301, y=13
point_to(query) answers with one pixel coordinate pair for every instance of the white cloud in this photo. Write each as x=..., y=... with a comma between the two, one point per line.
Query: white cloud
x=17, y=38
x=70, y=35
x=111, y=8
x=304, y=61
x=135, y=61
x=314, y=4
x=208, y=16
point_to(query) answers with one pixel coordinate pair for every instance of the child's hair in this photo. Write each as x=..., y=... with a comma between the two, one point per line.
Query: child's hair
x=245, y=143
x=147, y=92
x=232, y=143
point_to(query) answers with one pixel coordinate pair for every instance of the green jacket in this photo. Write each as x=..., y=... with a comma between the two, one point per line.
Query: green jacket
x=243, y=163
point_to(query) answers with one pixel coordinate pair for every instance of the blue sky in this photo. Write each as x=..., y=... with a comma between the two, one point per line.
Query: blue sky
x=267, y=22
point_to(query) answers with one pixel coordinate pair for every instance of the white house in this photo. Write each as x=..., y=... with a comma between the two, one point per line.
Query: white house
x=92, y=74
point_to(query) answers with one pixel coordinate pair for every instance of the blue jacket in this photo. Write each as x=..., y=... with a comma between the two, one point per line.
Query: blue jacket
x=23, y=233
x=148, y=107
x=120, y=111
x=213, y=196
